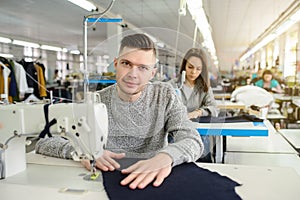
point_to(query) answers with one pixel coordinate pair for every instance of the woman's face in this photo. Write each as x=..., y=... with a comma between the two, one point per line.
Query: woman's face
x=193, y=68
x=267, y=77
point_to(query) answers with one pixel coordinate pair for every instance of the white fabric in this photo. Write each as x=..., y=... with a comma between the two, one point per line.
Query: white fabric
x=252, y=95
x=5, y=72
x=20, y=74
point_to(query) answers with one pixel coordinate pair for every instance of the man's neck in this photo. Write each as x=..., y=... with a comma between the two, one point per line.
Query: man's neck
x=128, y=97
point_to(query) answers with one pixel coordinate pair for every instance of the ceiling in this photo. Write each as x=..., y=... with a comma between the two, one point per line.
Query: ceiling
x=234, y=23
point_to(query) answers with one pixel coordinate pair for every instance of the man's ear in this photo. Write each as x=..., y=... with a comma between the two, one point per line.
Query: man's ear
x=115, y=63
x=153, y=73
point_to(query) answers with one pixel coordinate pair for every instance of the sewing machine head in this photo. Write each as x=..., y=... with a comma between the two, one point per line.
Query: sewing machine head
x=85, y=124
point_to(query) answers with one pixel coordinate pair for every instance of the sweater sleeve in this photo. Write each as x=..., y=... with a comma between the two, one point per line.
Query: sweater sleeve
x=209, y=105
x=187, y=146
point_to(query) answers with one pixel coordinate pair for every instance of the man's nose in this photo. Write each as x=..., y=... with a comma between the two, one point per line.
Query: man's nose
x=134, y=70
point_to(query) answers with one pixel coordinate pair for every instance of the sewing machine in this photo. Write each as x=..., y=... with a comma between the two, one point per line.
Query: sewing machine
x=84, y=124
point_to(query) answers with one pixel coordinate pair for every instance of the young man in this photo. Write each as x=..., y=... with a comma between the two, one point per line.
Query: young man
x=141, y=114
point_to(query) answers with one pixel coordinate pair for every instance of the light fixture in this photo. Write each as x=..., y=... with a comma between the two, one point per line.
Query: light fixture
x=106, y=57
x=6, y=55
x=76, y=52
x=261, y=44
x=84, y=4
x=283, y=27
x=198, y=14
x=64, y=50
x=5, y=40
x=51, y=48
x=26, y=44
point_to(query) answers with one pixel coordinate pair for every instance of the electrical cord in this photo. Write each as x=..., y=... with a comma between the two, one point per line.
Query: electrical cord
x=101, y=14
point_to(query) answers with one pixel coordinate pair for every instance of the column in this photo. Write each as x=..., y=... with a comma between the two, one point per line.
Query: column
x=298, y=54
x=114, y=37
x=281, y=41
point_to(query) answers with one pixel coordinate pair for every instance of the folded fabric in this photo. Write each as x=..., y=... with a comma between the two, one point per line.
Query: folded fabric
x=55, y=146
x=239, y=118
x=187, y=181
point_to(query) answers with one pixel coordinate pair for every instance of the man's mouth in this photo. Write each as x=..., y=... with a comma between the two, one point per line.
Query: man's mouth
x=130, y=84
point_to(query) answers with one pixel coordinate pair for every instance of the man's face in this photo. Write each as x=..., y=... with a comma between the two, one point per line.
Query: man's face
x=134, y=69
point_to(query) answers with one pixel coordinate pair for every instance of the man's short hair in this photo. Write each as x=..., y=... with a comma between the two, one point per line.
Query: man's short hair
x=138, y=41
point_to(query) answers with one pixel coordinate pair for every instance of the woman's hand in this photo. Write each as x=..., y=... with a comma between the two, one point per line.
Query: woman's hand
x=195, y=114
x=144, y=172
x=107, y=161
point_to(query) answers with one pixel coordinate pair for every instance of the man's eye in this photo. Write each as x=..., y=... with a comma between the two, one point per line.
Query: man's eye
x=125, y=63
x=143, y=68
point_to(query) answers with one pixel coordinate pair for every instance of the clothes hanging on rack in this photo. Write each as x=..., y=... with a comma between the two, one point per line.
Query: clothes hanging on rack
x=12, y=92
x=35, y=76
x=41, y=80
x=4, y=81
x=20, y=78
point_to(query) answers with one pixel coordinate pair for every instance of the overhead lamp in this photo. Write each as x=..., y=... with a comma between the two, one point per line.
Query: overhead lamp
x=76, y=52
x=196, y=10
x=293, y=19
x=64, y=50
x=160, y=44
x=84, y=4
x=5, y=40
x=259, y=45
x=6, y=55
x=26, y=44
x=106, y=57
x=51, y=48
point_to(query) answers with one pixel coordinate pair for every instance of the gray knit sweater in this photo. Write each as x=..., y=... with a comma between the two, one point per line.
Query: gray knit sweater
x=140, y=128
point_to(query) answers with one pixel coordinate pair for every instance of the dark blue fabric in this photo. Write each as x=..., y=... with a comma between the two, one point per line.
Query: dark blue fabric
x=13, y=89
x=31, y=77
x=46, y=130
x=187, y=181
x=239, y=118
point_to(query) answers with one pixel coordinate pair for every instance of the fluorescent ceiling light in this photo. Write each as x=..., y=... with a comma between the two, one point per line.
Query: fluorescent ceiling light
x=258, y=46
x=5, y=40
x=26, y=44
x=77, y=52
x=5, y=55
x=105, y=56
x=281, y=29
x=64, y=50
x=295, y=16
x=198, y=14
x=51, y=48
x=84, y=4
x=160, y=44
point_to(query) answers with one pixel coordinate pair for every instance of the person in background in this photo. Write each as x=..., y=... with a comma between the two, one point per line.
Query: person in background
x=196, y=93
x=268, y=82
x=56, y=77
x=256, y=76
x=140, y=115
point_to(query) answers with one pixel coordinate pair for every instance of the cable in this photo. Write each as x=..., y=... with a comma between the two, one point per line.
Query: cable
x=101, y=14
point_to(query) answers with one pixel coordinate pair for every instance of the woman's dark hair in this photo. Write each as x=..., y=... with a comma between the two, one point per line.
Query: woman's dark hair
x=267, y=71
x=202, y=80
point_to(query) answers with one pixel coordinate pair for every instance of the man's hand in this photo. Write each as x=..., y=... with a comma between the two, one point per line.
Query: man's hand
x=144, y=172
x=107, y=161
